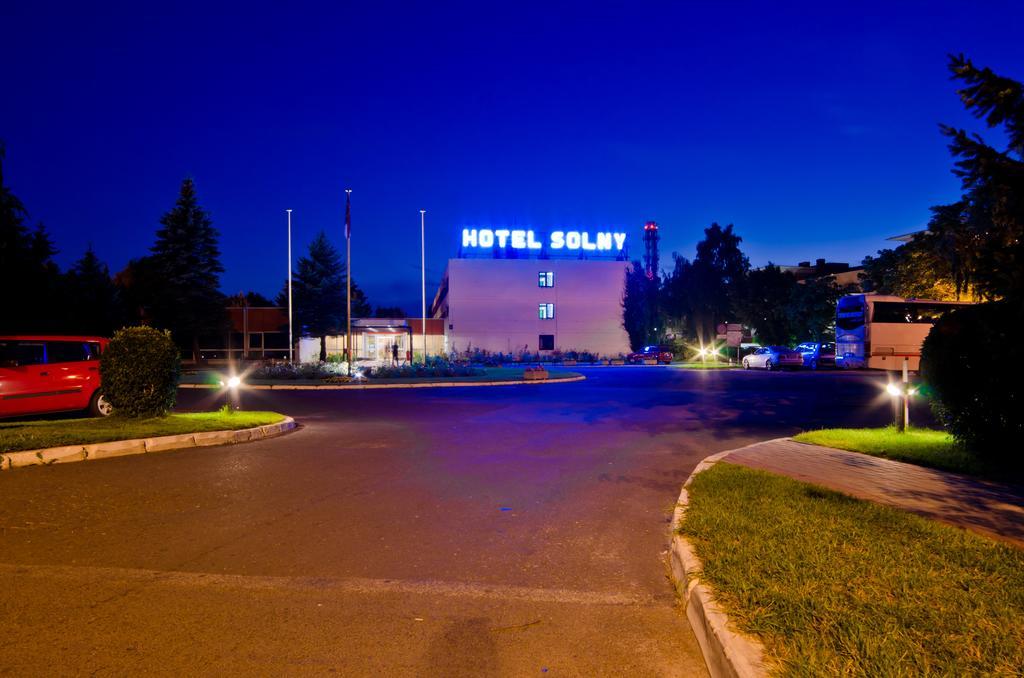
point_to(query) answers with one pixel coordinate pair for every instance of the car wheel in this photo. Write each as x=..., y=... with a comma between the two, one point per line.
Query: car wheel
x=746, y=364
x=814, y=364
x=99, y=405
x=768, y=365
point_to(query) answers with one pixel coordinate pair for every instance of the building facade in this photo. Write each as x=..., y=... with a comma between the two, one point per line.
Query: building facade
x=373, y=339
x=543, y=305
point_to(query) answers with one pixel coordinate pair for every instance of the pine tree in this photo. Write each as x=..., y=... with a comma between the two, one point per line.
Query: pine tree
x=92, y=300
x=27, y=271
x=320, y=306
x=318, y=292
x=982, y=235
x=186, y=259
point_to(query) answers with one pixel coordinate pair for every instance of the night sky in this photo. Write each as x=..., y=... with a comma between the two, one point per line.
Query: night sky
x=814, y=131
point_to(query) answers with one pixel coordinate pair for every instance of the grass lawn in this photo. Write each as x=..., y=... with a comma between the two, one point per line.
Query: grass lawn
x=838, y=586
x=921, y=446
x=33, y=435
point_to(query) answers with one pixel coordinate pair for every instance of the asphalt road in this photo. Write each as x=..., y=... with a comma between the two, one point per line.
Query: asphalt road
x=514, y=530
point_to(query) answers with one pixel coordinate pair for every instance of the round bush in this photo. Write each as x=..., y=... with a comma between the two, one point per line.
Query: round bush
x=139, y=371
x=971, y=365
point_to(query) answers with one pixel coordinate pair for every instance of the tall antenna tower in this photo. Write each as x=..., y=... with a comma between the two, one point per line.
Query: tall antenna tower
x=651, y=238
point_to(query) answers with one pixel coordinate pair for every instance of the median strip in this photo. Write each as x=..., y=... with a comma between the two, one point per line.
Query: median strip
x=794, y=577
x=119, y=448
x=726, y=652
x=286, y=386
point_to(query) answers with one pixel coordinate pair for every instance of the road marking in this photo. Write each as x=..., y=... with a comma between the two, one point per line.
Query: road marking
x=143, y=577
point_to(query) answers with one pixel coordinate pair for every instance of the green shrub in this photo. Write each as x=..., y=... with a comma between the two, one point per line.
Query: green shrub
x=972, y=369
x=140, y=371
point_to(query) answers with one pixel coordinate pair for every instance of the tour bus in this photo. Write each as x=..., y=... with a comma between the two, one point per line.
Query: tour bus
x=879, y=331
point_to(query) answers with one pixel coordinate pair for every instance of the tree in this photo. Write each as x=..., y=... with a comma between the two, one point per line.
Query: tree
x=982, y=235
x=186, y=260
x=27, y=270
x=763, y=304
x=92, y=299
x=914, y=270
x=136, y=286
x=318, y=309
x=715, y=280
x=360, y=304
x=389, y=312
x=318, y=291
x=811, y=310
x=676, y=298
x=638, y=319
x=251, y=299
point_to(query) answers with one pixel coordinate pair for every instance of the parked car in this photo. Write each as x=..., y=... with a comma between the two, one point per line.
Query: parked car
x=42, y=374
x=663, y=354
x=773, y=357
x=816, y=354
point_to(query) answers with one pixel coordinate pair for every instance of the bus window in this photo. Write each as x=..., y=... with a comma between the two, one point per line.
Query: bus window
x=910, y=312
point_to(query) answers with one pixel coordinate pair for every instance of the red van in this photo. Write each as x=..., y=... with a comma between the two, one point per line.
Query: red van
x=41, y=374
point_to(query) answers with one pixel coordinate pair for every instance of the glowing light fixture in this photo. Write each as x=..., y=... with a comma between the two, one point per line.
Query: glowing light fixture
x=232, y=382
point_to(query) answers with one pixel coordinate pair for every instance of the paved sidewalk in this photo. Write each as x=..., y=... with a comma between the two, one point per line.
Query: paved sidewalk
x=986, y=507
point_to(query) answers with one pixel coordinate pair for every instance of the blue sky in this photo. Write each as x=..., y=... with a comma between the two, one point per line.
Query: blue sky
x=811, y=127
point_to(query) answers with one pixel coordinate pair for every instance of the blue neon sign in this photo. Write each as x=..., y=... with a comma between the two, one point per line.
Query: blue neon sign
x=522, y=239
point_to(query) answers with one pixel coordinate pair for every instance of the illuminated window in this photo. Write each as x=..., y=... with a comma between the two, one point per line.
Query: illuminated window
x=546, y=311
x=546, y=279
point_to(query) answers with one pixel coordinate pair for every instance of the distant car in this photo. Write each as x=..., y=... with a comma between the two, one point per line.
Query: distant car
x=817, y=354
x=43, y=374
x=663, y=354
x=773, y=358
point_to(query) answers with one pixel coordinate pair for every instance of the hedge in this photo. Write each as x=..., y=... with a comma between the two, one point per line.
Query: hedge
x=139, y=371
x=972, y=366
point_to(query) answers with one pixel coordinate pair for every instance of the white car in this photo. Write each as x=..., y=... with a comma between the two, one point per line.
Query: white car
x=773, y=357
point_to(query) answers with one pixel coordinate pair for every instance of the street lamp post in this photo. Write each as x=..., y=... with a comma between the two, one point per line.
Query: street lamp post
x=291, y=340
x=901, y=393
x=348, y=280
x=906, y=394
x=423, y=281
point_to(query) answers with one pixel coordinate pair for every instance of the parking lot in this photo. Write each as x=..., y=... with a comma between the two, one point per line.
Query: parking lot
x=510, y=530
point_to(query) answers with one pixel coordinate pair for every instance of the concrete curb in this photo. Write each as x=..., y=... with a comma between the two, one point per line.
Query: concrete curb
x=362, y=387
x=121, y=448
x=727, y=653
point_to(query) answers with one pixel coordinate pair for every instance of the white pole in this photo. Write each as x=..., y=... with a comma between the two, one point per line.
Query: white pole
x=291, y=341
x=906, y=393
x=423, y=280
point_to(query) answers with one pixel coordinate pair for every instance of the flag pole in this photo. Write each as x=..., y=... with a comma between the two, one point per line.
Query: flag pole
x=348, y=278
x=423, y=280
x=291, y=341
